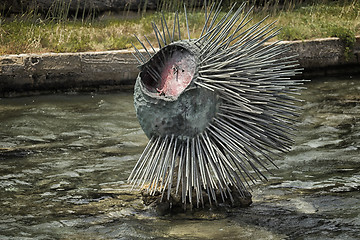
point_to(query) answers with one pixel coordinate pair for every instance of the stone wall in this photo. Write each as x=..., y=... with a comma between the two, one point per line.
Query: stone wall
x=325, y=57
x=27, y=74
x=51, y=72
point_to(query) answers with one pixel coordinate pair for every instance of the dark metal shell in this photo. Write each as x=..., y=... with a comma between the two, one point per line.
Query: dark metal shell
x=174, y=104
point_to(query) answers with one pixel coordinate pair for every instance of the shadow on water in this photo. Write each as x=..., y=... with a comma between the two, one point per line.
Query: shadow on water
x=64, y=160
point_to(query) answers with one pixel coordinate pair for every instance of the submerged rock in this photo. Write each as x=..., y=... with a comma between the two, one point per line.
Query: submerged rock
x=174, y=204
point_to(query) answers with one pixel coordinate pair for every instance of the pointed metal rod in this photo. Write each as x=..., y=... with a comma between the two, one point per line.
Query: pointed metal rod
x=174, y=156
x=187, y=23
x=173, y=33
x=147, y=171
x=141, y=158
x=180, y=168
x=204, y=29
x=167, y=28
x=151, y=174
x=163, y=30
x=150, y=44
x=213, y=20
x=140, y=62
x=224, y=29
x=205, y=9
x=225, y=129
x=143, y=59
x=237, y=161
x=159, y=167
x=238, y=43
x=143, y=46
x=158, y=34
x=177, y=16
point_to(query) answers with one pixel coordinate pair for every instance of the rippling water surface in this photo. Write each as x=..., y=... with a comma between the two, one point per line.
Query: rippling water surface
x=64, y=160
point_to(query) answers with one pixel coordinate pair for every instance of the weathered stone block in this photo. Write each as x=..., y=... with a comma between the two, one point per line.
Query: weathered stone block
x=112, y=61
x=11, y=64
x=51, y=62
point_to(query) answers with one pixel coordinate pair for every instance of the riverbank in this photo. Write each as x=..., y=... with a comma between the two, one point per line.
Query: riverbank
x=61, y=27
x=29, y=74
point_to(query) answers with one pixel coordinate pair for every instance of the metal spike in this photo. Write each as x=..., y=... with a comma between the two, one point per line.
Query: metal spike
x=150, y=44
x=139, y=61
x=177, y=16
x=216, y=14
x=143, y=46
x=223, y=29
x=143, y=59
x=173, y=33
x=141, y=161
x=156, y=34
x=173, y=162
x=163, y=29
x=205, y=9
x=180, y=168
x=187, y=23
x=207, y=18
x=167, y=28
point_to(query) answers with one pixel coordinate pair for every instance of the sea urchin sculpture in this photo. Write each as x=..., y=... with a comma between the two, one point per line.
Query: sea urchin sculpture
x=216, y=109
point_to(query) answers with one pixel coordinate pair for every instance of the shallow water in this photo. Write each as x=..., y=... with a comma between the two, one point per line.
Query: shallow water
x=64, y=160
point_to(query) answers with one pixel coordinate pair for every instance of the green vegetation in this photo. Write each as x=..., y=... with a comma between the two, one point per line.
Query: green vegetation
x=58, y=31
x=347, y=36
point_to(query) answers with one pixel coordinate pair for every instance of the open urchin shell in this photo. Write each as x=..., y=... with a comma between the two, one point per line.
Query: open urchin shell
x=216, y=109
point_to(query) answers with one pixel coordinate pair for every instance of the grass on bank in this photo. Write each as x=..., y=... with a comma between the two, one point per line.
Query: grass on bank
x=31, y=32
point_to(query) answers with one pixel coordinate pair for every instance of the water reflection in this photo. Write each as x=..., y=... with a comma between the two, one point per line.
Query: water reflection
x=64, y=160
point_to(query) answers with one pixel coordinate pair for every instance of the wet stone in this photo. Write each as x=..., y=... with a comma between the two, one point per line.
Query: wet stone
x=174, y=205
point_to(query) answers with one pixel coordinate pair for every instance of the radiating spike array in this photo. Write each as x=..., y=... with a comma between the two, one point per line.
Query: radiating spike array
x=162, y=36
x=193, y=165
x=255, y=117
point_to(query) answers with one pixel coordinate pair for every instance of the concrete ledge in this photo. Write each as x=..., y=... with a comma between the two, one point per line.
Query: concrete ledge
x=325, y=57
x=27, y=74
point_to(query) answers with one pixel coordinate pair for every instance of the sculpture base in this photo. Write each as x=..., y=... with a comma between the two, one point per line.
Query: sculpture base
x=174, y=204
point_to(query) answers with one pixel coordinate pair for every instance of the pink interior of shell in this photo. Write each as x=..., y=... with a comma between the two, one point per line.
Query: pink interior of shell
x=177, y=74
x=169, y=72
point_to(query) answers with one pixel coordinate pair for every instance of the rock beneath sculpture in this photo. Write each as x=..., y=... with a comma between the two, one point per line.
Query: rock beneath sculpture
x=175, y=204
